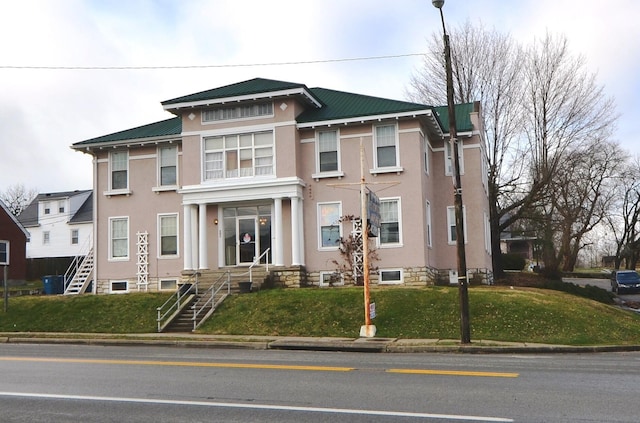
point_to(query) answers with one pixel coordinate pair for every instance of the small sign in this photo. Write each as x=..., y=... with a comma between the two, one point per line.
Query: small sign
x=372, y=310
x=373, y=214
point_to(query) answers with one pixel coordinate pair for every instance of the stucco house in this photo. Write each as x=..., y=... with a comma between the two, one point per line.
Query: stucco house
x=61, y=228
x=263, y=170
x=13, y=245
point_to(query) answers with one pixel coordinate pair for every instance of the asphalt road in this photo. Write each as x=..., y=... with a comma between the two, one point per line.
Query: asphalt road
x=604, y=284
x=66, y=383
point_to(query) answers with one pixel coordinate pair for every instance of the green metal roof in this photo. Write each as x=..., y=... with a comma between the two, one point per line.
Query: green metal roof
x=252, y=86
x=341, y=105
x=463, y=117
x=335, y=105
x=167, y=127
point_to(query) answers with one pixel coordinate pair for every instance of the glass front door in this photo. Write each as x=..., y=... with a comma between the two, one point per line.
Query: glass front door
x=248, y=244
x=247, y=234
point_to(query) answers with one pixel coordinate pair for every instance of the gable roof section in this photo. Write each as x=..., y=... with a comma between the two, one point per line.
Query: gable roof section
x=164, y=128
x=247, y=90
x=4, y=207
x=29, y=216
x=343, y=106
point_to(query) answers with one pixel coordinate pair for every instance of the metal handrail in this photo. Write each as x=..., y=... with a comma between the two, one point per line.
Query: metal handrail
x=211, y=294
x=257, y=261
x=76, y=262
x=175, y=302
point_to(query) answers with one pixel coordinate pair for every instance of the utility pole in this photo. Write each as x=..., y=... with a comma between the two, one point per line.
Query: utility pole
x=463, y=293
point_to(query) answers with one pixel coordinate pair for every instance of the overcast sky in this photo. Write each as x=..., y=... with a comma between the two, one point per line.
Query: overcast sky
x=44, y=111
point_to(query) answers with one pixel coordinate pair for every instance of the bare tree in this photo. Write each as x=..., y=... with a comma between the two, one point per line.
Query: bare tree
x=487, y=67
x=623, y=217
x=17, y=198
x=539, y=105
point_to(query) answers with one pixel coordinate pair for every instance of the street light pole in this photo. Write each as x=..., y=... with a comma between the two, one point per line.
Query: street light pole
x=463, y=294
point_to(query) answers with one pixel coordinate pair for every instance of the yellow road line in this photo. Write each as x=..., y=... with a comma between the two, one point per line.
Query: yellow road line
x=179, y=364
x=452, y=373
x=253, y=366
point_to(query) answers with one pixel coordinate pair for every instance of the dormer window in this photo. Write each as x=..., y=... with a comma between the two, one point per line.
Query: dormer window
x=238, y=112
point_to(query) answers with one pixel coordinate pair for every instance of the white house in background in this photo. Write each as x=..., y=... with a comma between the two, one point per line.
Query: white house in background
x=60, y=224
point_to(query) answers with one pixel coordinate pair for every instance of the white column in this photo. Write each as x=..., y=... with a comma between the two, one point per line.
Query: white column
x=295, y=232
x=278, y=253
x=301, y=229
x=194, y=237
x=187, y=237
x=202, y=237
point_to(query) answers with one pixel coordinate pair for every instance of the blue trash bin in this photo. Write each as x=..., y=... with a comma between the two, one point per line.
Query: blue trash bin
x=53, y=284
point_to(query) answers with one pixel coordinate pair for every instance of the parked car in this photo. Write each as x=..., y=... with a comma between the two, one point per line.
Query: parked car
x=625, y=281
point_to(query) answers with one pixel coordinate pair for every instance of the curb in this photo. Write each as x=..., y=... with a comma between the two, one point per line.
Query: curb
x=363, y=345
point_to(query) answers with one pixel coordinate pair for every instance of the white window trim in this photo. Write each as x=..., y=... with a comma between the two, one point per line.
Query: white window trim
x=8, y=246
x=118, y=291
x=319, y=226
x=387, y=169
x=159, y=187
x=111, y=257
x=120, y=191
x=46, y=237
x=241, y=119
x=398, y=244
x=333, y=173
x=327, y=274
x=253, y=130
x=77, y=236
x=394, y=282
x=159, y=232
x=448, y=163
x=175, y=281
x=429, y=225
x=451, y=223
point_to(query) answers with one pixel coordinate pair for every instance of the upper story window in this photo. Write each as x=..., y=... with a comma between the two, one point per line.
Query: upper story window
x=47, y=208
x=329, y=227
x=386, y=146
x=328, y=151
x=61, y=206
x=46, y=238
x=238, y=156
x=119, y=166
x=448, y=150
x=168, y=166
x=238, y=112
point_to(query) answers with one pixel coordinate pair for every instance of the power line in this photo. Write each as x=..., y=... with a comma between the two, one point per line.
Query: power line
x=236, y=65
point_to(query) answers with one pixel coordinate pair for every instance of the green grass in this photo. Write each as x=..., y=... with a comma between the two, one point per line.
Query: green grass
x=131, y=313
x=497, y=313
x=503, y=314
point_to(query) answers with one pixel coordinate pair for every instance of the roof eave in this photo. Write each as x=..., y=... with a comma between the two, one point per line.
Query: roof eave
x=127, y=142
x=368, y=118
x=246, y=97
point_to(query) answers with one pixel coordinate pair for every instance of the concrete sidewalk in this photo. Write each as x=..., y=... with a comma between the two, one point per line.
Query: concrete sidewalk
x=377, y=345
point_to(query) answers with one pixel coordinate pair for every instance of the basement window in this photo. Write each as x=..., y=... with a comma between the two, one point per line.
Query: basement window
x=119, y=287
x=390, y=276
x=168, y=284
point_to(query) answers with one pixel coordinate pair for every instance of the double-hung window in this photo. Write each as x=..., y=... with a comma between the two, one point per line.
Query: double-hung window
x=451, y=223
x=119, y=161
x=386, y=146
x=75, y=235
x=168, y=229
x=328, y=160
x=238, y=156
x=329, y=225
x=168, y=165
x=449, y=155
x=390, y=233
x=119, y=238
